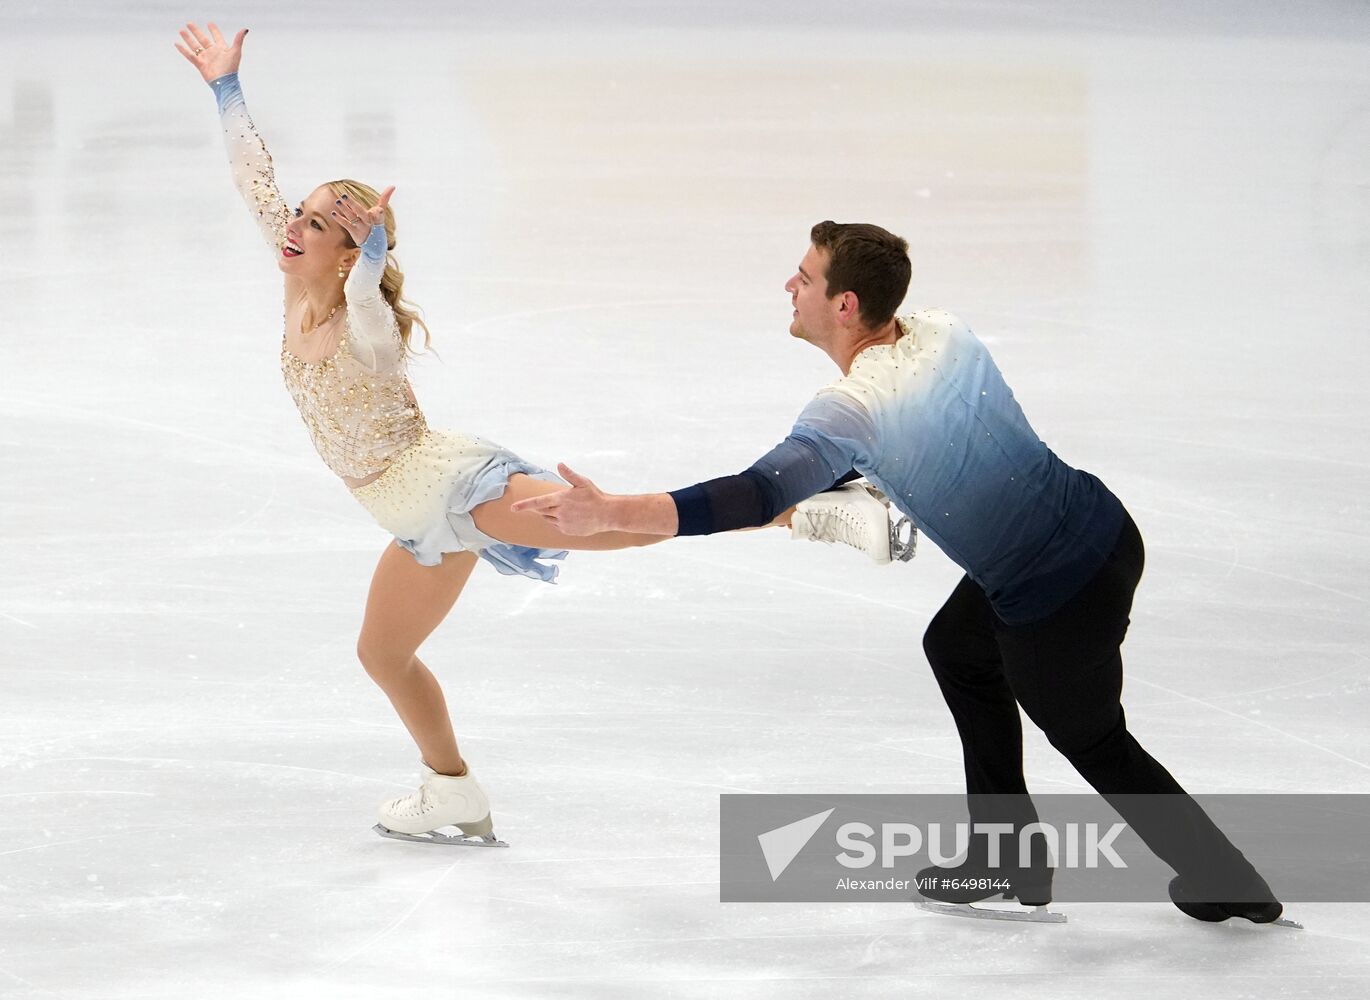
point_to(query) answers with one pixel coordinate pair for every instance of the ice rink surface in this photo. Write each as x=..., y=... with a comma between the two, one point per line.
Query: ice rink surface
x=1156, y=217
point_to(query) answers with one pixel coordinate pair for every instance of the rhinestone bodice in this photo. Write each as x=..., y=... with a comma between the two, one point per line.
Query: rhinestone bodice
x=358, y=419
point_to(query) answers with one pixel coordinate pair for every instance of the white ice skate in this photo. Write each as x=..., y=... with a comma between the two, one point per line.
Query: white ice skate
x=442, y=800
x=855, y=514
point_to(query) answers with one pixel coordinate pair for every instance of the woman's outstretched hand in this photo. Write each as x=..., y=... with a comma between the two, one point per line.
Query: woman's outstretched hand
x=212, y=56
x=357, y=219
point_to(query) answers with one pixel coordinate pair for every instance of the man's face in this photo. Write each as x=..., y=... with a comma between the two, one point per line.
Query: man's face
x=813, y=311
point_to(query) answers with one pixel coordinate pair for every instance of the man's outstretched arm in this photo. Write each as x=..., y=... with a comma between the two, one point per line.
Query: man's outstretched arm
x=731, y=503
x=823, y=447
x=587, y=510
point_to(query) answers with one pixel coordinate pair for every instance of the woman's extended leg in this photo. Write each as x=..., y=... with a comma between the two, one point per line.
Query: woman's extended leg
x=530, y=528
x=406, y=603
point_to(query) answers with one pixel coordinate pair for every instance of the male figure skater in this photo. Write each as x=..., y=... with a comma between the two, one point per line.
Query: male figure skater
x=1051, y=556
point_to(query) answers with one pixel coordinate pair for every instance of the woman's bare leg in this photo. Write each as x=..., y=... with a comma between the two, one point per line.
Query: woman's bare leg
x=530, y=528
x=406, y=603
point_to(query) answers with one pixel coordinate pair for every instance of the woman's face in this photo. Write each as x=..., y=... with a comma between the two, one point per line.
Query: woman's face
x=323, y=243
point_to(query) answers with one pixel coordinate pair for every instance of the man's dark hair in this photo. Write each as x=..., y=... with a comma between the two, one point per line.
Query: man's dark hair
x=867, y=260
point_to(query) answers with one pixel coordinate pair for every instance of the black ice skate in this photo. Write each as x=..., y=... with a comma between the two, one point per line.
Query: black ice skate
x=1265, y=909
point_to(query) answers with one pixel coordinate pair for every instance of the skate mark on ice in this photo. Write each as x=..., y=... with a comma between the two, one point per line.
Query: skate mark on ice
x=531, y=595
x=234, y=526
x=1254, y=722
x=324, y=725
x=1260, y=647
x=952, y=759
x=371, y=941
x=78, y=791
x=725, y=568
x=1228, y=447
x=587, y=307
x=659, y=778
x=1271, y=573
x=577, y=859
x=33, y=986
x=760, y=620
x=66, y=410
x=1246, y=517
x=191, y=762
x=1305, y=680
x=99, y=836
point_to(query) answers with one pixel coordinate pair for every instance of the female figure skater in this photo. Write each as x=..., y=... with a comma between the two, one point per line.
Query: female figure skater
x=444, y=496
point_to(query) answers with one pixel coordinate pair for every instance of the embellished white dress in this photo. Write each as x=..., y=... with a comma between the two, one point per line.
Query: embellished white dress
x=418, y=483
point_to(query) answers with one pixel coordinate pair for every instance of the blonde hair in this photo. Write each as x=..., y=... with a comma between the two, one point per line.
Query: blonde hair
x=392, y=280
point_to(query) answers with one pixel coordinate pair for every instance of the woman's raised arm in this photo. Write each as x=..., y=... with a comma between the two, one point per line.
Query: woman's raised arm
x=248, y=159
x=376, y=338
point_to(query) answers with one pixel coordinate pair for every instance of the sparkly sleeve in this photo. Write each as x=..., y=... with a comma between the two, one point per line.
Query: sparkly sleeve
x=373, y=331
x=250, y=162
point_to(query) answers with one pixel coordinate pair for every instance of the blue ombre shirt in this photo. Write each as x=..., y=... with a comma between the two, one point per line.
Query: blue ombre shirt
x=930, y=420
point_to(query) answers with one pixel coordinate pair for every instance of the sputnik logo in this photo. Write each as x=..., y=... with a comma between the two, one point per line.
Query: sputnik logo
x=783, y=844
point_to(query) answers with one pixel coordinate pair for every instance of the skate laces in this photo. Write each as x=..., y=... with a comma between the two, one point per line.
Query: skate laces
x=414, y=804
x=839, y=525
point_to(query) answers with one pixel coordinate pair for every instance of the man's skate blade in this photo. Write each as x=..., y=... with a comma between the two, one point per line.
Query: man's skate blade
x=1286, y=922
x=1036, y=915
x=440, y=838
x=901, y=549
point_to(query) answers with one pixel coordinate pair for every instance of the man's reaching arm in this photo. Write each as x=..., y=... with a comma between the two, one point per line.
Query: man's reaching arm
x=831, y=436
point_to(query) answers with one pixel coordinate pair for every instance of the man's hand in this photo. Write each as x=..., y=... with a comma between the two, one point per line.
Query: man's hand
x=582, y=510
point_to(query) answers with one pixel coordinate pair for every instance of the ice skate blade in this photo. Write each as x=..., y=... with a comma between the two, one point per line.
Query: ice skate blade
x=1286, y=922
x=1036, y=915
x=441, y=838
x=903, y=549
x=903, y=546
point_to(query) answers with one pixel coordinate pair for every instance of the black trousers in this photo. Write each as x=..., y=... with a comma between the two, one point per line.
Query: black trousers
x=1066, y=671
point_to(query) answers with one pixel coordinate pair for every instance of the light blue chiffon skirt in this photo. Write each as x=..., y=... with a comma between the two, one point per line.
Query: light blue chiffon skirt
x=425, y=498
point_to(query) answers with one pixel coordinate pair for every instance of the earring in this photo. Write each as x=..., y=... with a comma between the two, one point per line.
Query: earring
x=340, y=272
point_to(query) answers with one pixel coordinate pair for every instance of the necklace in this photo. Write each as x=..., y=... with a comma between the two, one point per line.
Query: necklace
x=310, y=331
